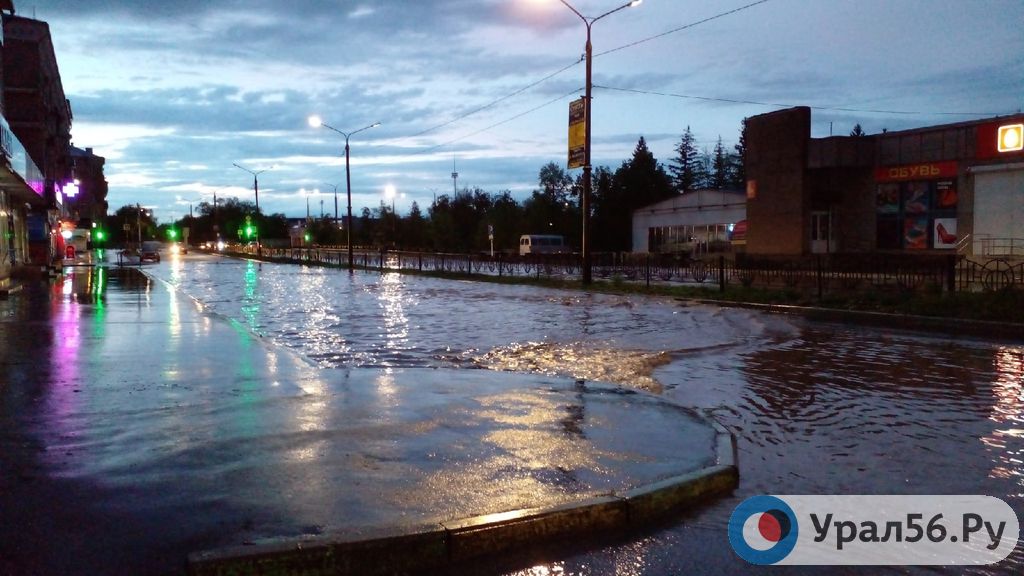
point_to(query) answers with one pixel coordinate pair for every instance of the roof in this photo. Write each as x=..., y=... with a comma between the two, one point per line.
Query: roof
x=696, y=200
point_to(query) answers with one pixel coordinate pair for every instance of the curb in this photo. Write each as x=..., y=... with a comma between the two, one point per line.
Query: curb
x=449, y=544
x=950, y=326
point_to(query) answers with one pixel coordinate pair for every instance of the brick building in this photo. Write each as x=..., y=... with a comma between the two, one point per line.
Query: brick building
x=940, y=189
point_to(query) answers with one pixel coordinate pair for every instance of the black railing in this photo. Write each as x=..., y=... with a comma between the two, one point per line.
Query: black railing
x=816, y=275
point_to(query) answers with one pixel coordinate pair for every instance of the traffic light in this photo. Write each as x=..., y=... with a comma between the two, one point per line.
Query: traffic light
x=172, y=233
x=250, y=231
x=307, y=237
x=100, y=235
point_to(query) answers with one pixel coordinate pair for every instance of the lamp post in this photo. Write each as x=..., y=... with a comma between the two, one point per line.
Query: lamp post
x=316, y=122
x=585, y=201
x=256, y=189
x=335, y=188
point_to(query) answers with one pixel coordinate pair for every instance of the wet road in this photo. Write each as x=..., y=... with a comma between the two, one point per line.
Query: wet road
x=817, y=408
x=157, y=430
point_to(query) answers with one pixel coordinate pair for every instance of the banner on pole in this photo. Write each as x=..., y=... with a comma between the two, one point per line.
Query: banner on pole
x=577, y=133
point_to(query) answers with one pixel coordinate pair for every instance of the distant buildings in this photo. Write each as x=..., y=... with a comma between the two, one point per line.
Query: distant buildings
x=947, y=189
x=47, y=187
x=953, y=188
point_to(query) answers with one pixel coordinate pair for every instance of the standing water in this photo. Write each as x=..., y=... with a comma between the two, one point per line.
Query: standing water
x=816, y=408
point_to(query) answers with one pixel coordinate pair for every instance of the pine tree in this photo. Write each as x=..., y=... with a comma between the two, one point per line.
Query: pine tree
x=684, y=167
x=857, y=131
x=719, y=167
x=738, y=170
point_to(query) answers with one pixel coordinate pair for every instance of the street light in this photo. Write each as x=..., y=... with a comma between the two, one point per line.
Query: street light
x=585, y=202
x=335, y=188
x=256, y=189
x=316, y=122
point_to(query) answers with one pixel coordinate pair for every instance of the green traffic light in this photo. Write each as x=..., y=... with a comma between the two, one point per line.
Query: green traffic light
x=100, y=235
x=307, y=237
x=172, y=234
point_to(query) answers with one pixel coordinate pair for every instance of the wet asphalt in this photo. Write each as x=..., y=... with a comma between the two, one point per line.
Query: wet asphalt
x=135, y=428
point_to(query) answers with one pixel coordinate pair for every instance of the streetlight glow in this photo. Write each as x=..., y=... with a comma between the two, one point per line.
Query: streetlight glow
x=588, y=123
x=317, y=122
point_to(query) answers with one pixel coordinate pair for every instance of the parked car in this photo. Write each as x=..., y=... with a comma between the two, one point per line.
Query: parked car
x=150, y=252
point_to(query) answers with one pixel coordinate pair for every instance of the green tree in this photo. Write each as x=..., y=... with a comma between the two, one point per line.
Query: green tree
x=857, y=131
x=685, y=166
x=738, y=170
x=127, y=221
x=719, y=167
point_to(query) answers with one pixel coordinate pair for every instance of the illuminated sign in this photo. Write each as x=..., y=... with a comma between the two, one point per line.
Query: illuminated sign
x=925, y=171
x=1011, y=138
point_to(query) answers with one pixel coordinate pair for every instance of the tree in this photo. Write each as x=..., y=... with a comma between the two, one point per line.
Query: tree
x=555, y=182
x=719, y=167
x=857, y=131
x=738, y=169
x=127, y=222
x=684, y=166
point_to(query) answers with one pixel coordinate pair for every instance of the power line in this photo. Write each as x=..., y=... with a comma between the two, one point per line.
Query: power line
x=681, y=28
x=505, y=121
x=491, y=104
x=777, y=105
x=576, y=63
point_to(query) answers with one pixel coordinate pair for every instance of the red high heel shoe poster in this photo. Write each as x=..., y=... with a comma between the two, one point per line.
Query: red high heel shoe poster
x=944, y=233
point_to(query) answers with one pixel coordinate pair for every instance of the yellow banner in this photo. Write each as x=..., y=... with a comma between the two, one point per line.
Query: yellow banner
x=577, y=133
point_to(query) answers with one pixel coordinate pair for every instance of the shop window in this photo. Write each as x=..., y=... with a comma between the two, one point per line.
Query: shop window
x=918, y=215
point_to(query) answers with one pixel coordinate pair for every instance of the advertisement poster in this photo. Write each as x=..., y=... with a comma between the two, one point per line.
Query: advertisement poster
x=944, y=233
x=915, y=233
x=888, y=198
x=915, y=198
x=945, y=195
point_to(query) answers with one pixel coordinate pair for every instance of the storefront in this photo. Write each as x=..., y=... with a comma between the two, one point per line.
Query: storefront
x=954, y=188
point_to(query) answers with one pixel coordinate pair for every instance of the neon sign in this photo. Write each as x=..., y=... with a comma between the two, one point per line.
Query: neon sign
x=1011, y=138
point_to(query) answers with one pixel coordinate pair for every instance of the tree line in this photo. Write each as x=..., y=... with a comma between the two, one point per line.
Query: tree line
x=466, y=220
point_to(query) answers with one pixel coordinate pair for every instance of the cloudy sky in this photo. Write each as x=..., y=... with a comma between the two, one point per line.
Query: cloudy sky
x=173, y=93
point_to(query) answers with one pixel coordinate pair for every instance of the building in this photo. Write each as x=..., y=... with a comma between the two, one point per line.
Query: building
x=21, y=186
x=953, y=188
x=698, y=221
x=39, y=116
x=86, y=195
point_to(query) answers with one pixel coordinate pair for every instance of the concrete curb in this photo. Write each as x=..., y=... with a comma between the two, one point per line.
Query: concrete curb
x=951, y=326
x=449, y=544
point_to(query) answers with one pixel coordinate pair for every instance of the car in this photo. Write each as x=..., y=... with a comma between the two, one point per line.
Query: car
x=150, y=252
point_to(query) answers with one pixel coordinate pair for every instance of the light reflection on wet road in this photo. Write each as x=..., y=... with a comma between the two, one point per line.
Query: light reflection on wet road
x=817, y=408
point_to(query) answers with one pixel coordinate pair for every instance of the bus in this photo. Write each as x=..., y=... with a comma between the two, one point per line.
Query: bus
x=541, y=244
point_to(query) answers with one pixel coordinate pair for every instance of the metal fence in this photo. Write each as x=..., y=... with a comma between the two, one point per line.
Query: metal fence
x=814, y=275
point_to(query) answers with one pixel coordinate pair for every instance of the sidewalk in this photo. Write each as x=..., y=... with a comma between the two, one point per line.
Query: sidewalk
x=135, y=429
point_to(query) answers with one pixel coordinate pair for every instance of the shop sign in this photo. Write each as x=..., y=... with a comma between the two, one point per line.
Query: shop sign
x=1011, y=138
x=997, y=139
x=911, y=172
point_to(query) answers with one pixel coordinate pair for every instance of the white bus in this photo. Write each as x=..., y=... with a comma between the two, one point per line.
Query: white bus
x=541, y=244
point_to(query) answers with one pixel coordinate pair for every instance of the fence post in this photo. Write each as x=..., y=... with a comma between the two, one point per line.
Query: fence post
x=951, y=273
x=647, y=268
x=820, y=279
x=721, y=273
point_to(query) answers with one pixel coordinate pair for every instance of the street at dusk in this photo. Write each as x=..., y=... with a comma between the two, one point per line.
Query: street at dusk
x=511, y=287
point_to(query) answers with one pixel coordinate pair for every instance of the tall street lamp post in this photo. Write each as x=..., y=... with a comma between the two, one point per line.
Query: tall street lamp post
x=335, y=187
x=256, y=189
x=585, y=201
x=316, y=122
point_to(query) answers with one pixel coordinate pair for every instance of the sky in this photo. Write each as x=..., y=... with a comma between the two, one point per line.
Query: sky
x=173, y=94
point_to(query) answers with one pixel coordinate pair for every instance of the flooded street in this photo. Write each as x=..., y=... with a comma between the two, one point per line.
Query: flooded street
x=816, y=408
